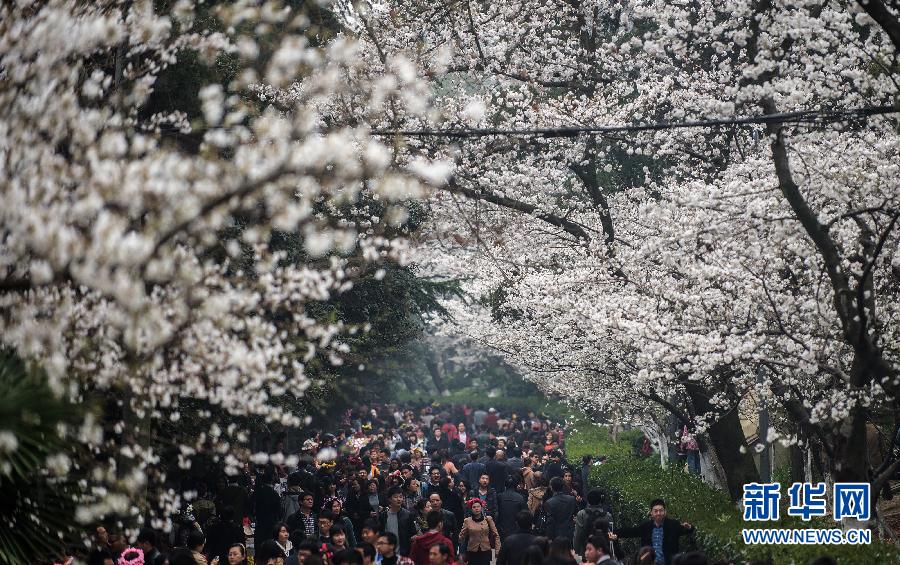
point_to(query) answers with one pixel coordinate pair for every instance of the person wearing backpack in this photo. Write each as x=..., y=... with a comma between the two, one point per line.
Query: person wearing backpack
x=586, y=518
x=290, y=502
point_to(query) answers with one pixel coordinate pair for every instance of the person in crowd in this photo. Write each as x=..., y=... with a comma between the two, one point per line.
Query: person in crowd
x=586, y=519
x=337, y=537
x=596, y=550
x=117, y=544
x=324, y=522
x=269, y=553
x=659, y=532
x=586, y=462
x=560, y=509
x=180, y=556
x=437, y=442
x=533, y=556
x=462, y=435
x=434, y=482
x=195, y=542
x=452, y=500
x=356, y=498
x=375, y=501
x=515, y=461
x=448, y=462
x=237, y=554
x=367, y=551
x=387, y=549
x=204, y=507
x=267, y=503
x=451, y=430
x=497, y=469
x=448, y=519
x=434, y=535
x=304, y=518
x=368, y=533
x=221, y=533
x=509, y=503
x=462, y=490
x=99, y=545
x=536, y=494
x=478, y=417
x=486, y=492
x=490, y=421
x=691, y=448
x=561, y=552
x=147, y=542
x=346, y=557
x=398, y=520
x=290, y=501
x=336, y=507
x=423, y=507
x=472, y=470
x=440, y=554
x=303, y=551
x=554, y=467
x=412, y=493
x=570, y=487
x=358, y=507
x=516, y=544
x=282, y=537
x=543, y=542
x=479, y=534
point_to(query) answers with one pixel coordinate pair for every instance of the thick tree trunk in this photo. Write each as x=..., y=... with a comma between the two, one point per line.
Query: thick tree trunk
x=850, y=461
x=727, y=437
x=435, y=374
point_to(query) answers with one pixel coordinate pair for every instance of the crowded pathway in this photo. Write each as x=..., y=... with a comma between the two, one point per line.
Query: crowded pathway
x=406, y=485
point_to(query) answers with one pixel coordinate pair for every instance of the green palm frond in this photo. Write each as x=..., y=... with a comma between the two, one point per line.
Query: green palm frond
x=36, y=510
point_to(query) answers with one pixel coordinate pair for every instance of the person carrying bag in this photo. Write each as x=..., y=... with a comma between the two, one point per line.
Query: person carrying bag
x=479, y=535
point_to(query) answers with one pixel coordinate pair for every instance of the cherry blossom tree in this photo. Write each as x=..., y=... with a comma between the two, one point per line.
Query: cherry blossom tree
x=142, y=274
x=667, y=266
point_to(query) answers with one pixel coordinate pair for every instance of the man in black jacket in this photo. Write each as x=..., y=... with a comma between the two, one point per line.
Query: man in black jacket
x=398, y=520
x=497, y=469
x=304, y=518
x=509, y=503
x=561, y=509
x=268, y=507
x=451, y=530
x=512, y=552
x=659, y=532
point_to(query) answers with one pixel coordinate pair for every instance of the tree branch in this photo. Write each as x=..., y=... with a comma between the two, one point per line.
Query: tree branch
x=238, y=192
x=888, y=22
x=826, y=246
x=678, y=413
x=566, y=225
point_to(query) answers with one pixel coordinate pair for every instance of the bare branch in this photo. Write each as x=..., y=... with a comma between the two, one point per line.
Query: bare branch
x=567, y=225
x=888, y=22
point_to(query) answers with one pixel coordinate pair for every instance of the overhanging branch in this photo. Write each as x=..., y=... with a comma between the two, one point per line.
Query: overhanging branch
x=566, y=225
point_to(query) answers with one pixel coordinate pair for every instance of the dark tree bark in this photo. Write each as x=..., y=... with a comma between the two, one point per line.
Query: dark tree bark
x=727, y=438
x=435, y=373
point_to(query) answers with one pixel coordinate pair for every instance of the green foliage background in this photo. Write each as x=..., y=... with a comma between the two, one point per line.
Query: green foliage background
x=631, y=483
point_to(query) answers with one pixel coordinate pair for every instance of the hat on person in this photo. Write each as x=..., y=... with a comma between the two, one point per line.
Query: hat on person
x=491, y=410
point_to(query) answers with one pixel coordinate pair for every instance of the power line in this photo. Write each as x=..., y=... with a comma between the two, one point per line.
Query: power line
x=799, y=117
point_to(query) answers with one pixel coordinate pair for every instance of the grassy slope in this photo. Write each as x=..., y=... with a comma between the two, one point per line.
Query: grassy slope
x=632, y=483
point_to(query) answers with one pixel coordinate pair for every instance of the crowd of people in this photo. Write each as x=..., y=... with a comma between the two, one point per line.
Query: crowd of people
x=407, y=485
